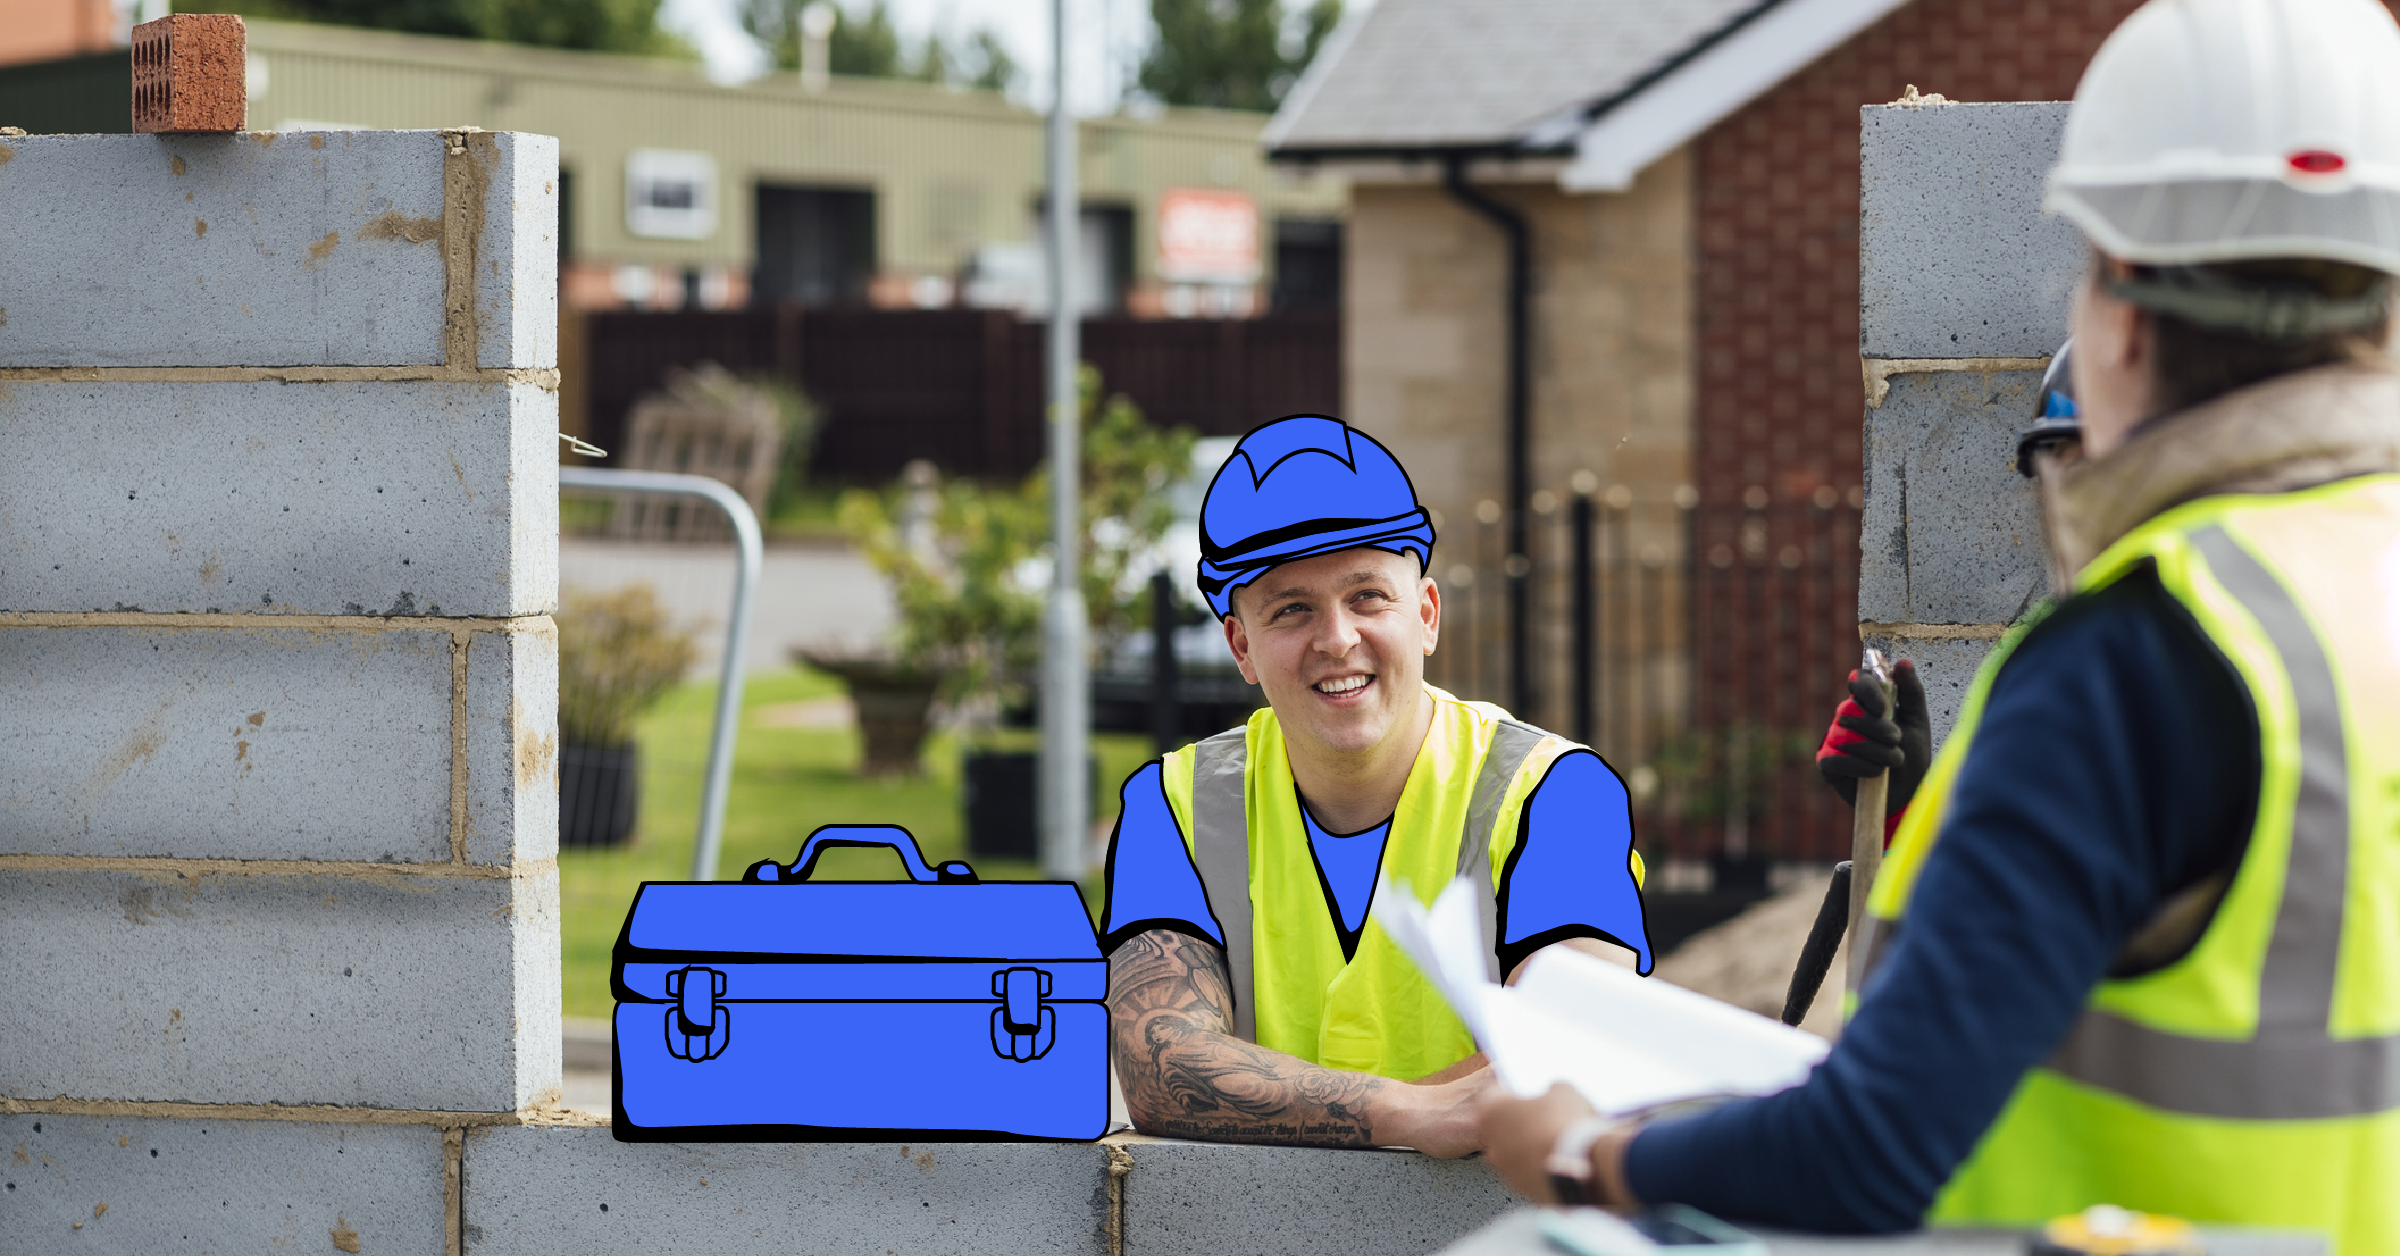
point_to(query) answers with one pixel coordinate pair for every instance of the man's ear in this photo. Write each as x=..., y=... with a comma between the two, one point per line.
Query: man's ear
x=1429, y=609
x=1237, y=639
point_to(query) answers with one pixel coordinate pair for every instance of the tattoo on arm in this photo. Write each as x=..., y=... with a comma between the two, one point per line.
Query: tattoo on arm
x=1186, y=1076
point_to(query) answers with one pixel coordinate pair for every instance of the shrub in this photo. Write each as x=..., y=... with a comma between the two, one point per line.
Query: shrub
x=617, y=655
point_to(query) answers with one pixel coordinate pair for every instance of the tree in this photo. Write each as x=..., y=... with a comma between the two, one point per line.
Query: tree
x=629, y=26
x=1231, y=54
x=865, y=44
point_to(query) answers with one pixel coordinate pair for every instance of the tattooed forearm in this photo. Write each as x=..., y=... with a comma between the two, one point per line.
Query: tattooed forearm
x=1186, y=1076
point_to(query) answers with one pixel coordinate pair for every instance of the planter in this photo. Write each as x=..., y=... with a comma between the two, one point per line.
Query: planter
x=599, y=790
x=894, y=704
x=1001, y=790
x=998, y=788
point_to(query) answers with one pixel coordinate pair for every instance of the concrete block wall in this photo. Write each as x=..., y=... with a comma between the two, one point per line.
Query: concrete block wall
x=278, y=551
x=1964, y=286
x=278, y=829
x=532, y=1190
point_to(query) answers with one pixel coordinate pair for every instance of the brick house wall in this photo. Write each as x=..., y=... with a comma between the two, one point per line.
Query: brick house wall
x=1778, y=391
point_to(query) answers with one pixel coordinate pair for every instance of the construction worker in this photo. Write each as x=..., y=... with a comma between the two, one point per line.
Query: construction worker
x=2138, y=939
x=1251, y=998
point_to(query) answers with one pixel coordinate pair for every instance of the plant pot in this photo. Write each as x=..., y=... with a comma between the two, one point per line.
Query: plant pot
x=1001, y=790
x=894, y=703
x=599, y=790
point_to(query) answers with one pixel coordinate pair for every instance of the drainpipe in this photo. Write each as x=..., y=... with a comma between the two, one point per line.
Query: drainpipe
x=1518, y=566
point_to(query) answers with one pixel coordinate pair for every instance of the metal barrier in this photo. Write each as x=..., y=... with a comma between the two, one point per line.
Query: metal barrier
x=711, y=833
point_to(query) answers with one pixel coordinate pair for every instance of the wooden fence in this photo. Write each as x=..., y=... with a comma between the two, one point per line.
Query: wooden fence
x=960, y=387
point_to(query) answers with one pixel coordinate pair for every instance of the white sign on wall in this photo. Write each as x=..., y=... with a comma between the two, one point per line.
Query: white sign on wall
x=670, y=194
x=1207, y=236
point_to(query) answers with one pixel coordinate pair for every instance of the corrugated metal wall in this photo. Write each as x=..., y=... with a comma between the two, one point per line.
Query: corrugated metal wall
x=950, y=169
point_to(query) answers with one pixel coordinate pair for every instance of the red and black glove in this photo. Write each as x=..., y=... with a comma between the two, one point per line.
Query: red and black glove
x=1865, y=739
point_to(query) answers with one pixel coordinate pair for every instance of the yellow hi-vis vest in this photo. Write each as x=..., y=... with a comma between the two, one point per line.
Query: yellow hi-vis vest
x=1233, y=797
x=2255, y=1080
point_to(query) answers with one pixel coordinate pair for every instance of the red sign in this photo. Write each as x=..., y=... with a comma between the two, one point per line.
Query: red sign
x=1207, y=236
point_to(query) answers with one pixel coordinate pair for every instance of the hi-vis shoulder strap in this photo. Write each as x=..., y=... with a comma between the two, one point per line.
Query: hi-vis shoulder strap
x=1221, y=845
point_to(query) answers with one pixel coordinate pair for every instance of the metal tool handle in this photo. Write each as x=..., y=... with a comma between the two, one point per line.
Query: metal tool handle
x=1866, y=824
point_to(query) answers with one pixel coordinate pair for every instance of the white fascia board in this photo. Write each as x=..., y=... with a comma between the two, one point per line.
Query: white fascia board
x=1771, y=48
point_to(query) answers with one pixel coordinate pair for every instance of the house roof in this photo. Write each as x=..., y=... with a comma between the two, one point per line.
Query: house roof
x=1480, y=73
x=1617, y=83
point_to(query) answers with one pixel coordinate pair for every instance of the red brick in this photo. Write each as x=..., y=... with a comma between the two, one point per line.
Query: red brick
x=189, y=74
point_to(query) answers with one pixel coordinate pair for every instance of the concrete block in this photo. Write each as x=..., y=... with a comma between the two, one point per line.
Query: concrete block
x=253, y=249
x=512, y=745
x=1266, y=1201
x=1946, y=665
x=1951, y=533
x=534, y=1189
x=388, y=498
x=516, y=276
x=243, y=743
x=1955, y=257
x=141, y=1186
x=373, y=991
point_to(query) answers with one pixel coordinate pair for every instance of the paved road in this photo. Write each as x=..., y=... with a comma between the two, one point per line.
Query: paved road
x=814, y=596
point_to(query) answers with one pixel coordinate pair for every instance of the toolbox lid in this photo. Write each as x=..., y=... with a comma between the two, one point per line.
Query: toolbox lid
x=836, y=921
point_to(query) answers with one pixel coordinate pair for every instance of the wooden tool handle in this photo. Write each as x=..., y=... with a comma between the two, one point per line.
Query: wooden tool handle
x=1866, y=858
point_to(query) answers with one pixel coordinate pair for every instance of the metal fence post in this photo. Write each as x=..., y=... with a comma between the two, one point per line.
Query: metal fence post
x=750, y=556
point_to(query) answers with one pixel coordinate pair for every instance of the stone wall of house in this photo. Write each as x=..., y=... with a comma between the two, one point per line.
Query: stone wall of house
x=1426, y=372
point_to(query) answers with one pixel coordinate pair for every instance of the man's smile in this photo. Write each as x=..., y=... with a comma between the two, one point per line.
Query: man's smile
x=1344, y=686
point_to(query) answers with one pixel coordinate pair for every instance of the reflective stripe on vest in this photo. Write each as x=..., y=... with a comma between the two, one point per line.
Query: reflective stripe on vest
x=2292, y=1068
x=1221, y=844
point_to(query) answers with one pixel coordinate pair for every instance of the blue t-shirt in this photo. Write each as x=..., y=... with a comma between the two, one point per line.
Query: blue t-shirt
x=1569, y=875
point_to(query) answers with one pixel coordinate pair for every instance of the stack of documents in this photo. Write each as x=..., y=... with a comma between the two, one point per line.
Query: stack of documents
x=1627, y=1043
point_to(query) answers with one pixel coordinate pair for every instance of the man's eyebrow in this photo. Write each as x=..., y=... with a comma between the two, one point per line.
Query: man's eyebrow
x=1364, y=575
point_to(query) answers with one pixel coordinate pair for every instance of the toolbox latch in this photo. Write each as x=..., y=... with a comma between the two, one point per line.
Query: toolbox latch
x=698, y=1027
x=1022, y=1027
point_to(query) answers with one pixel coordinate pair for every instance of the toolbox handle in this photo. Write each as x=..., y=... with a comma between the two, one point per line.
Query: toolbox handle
x=898, y=839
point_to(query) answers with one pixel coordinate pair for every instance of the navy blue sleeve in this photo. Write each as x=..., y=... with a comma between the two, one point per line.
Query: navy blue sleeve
x=2116, y=764
x=1151, y=881
x=1571, y=873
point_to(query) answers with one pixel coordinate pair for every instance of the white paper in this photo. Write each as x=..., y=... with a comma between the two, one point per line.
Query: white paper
x=1625, y=1042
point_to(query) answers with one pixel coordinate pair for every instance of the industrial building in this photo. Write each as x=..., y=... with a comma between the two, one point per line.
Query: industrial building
x=680, y=192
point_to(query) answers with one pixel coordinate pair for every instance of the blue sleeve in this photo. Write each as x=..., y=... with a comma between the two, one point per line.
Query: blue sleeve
x=1571, y=874
x=2116, y=764
x=1151, y=881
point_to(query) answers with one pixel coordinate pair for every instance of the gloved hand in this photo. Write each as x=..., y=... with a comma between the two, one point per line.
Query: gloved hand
x=1865, y=739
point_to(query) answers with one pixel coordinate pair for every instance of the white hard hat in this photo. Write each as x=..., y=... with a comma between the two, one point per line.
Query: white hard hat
x=2224, y=130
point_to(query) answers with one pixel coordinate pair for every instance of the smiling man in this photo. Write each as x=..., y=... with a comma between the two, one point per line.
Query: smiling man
x=1250, y=999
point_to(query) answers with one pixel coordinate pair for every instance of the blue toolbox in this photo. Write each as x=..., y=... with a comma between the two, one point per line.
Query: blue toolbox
x=781, y=1009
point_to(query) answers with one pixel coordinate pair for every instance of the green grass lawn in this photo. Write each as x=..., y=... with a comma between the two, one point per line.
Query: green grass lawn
x=786, y=782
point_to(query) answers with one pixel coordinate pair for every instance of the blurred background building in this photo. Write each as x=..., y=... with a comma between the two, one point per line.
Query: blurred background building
x=1684, y=178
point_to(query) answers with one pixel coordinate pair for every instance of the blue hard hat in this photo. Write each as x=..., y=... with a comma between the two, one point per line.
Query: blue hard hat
x=1299, y=487
x=2057, y=419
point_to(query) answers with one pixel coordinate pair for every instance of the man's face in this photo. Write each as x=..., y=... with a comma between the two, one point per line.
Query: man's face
x=1339, y=643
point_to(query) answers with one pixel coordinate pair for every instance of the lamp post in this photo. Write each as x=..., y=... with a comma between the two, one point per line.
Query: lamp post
x=1065, y=798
